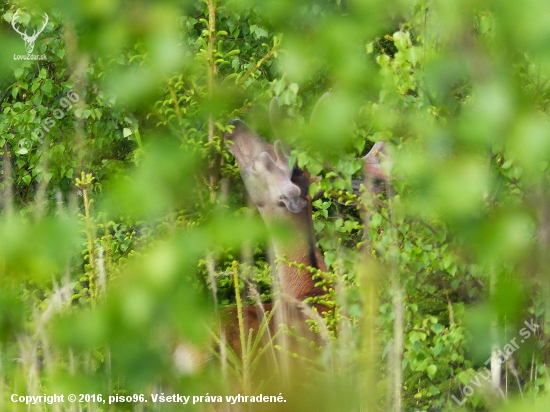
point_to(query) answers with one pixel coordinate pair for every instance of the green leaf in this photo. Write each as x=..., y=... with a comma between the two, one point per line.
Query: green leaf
x=434, y=390
x=370, y=47
x=8, y=16
x=47, y=87
x=35, y=85
x=401, y=40
x=414, y=54
x=313, y=189
x=279, y=87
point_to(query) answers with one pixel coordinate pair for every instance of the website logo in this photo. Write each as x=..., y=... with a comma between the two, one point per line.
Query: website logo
x=28, y=39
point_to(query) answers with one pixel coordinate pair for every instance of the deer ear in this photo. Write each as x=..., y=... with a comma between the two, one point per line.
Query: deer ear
x=276, y=119
x=267, y=161
x=316, y=109
x=274, y=113
x=281, y=154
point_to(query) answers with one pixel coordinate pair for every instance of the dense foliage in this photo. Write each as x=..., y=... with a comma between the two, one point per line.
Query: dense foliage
x=123, y=216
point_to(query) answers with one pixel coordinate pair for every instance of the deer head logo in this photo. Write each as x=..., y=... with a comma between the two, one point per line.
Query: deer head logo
x=29, y=40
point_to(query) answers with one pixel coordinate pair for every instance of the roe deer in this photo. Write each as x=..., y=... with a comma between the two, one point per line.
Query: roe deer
x=281, y=194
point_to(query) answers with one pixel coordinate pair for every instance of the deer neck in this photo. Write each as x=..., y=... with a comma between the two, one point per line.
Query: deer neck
x=300, y=249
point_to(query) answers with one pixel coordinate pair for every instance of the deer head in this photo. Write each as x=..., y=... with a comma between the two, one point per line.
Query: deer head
x=272, y=184
x=281, y=195
x=29, y=40
x=372, y=162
